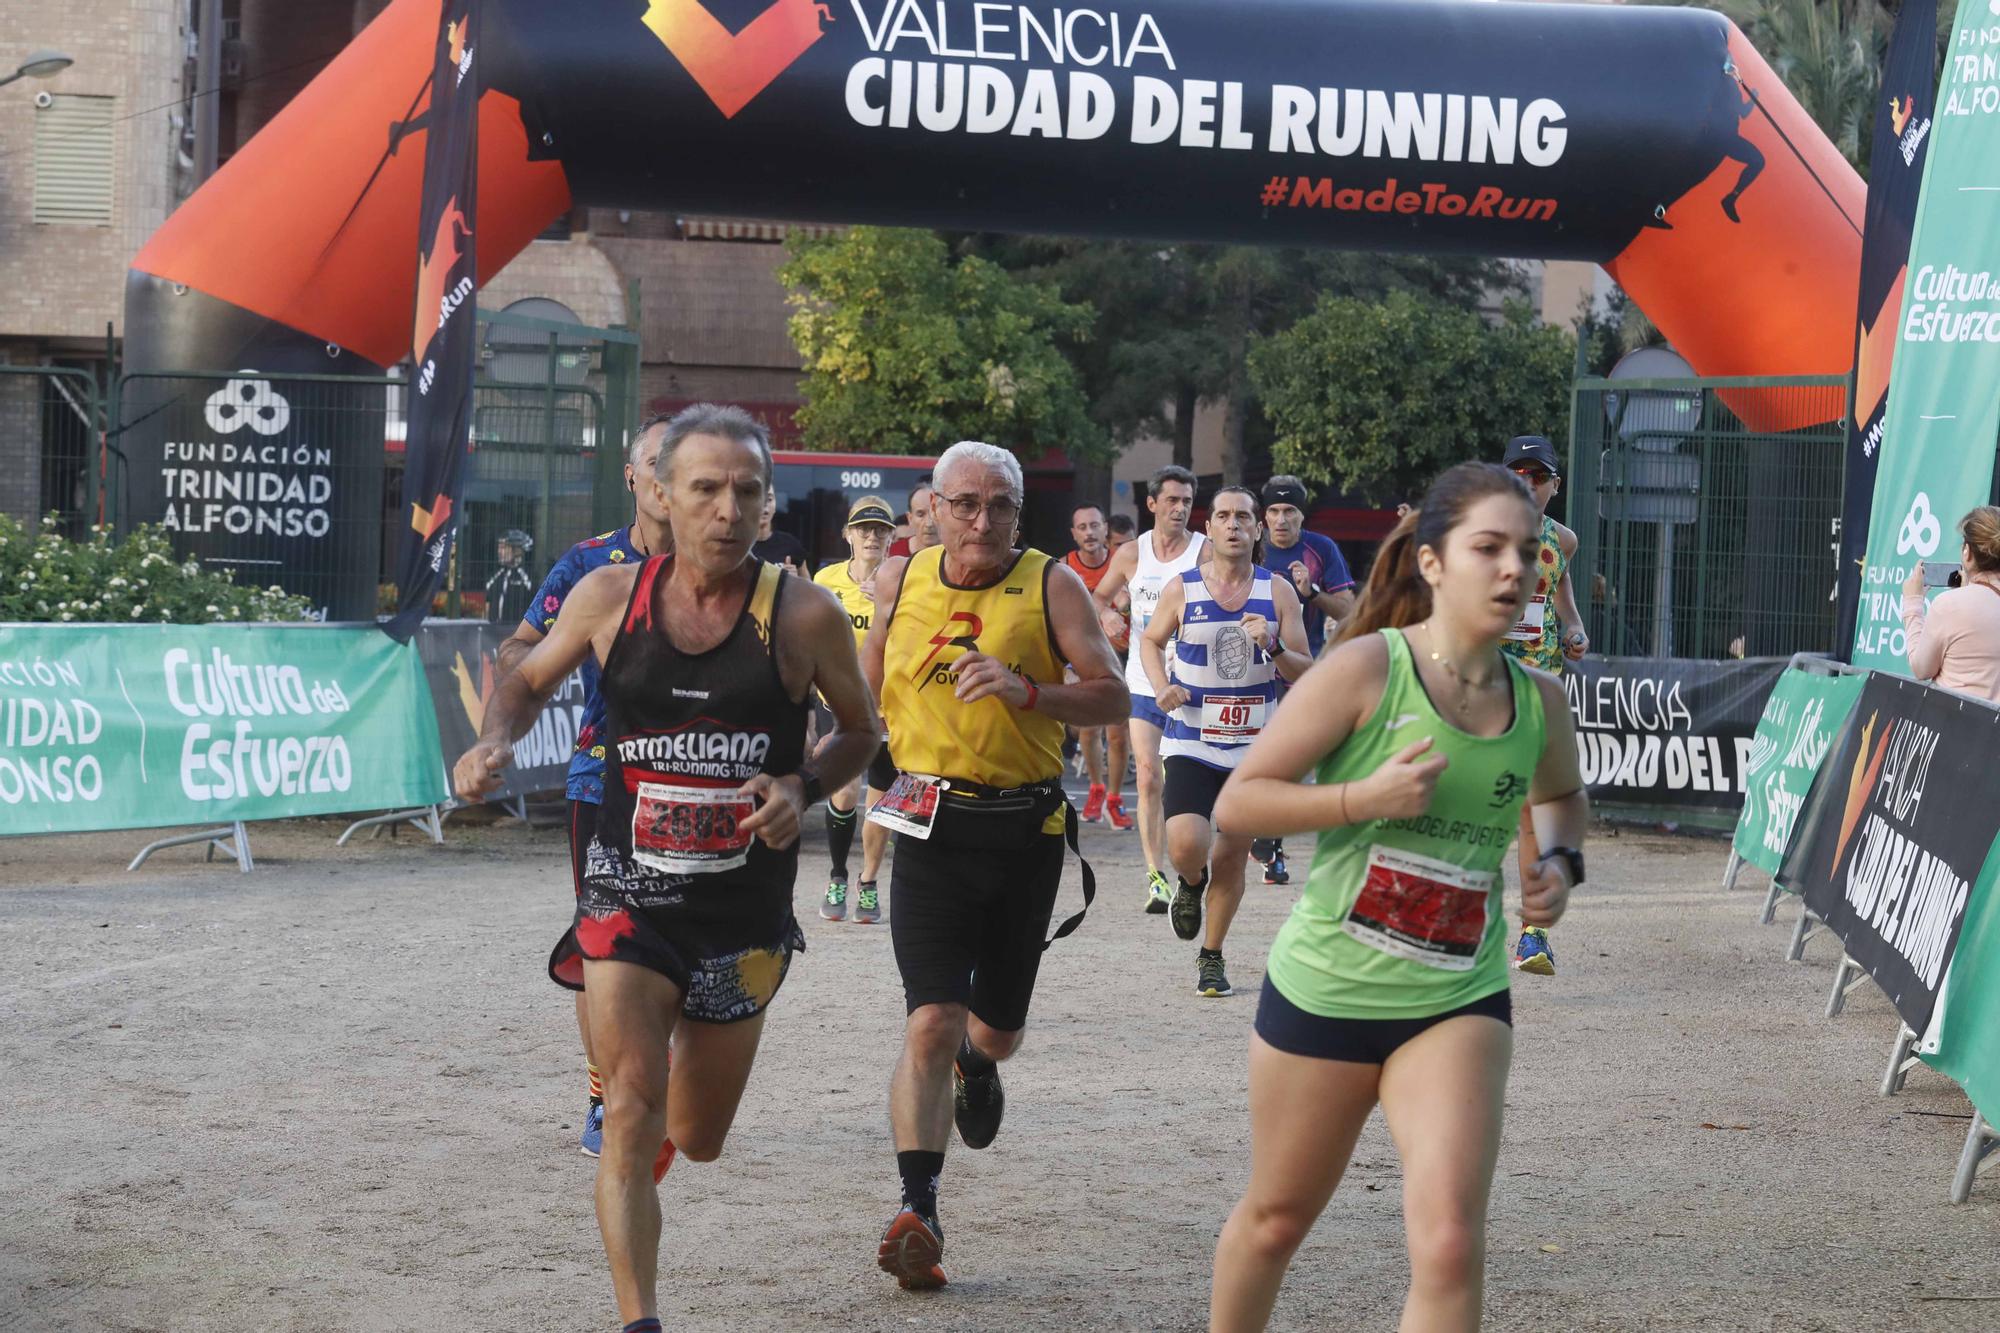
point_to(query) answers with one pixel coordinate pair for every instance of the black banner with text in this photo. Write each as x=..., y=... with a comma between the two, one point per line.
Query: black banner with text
x=1894, y=832
x=1668, y=731
x=461, y=668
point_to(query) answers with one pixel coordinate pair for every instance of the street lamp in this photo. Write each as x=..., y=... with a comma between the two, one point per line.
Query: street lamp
x=40, y=65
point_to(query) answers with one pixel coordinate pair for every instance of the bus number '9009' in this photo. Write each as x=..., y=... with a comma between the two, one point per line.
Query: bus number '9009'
x=867, y=481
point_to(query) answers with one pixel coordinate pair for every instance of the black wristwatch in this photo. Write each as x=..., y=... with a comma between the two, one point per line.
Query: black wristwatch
x=1572, y=858
x=814, y=790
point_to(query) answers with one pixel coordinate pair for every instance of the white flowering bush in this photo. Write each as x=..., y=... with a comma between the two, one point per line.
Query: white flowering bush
x=44, y=577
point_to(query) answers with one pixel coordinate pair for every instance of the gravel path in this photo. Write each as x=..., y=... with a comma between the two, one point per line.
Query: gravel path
x=339, y=1093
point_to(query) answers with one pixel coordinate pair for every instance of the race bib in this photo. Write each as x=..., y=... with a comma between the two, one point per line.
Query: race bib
x=1528, y=629
x=1230, y=719
x=690, y=830
x=910, y=805
x=1421, y=909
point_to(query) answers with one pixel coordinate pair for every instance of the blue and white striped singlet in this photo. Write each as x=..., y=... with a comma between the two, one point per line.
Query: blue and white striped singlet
x=1232, y=684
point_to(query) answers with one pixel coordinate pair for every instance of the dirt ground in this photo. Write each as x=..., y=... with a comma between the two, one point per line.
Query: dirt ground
x=339, y=1093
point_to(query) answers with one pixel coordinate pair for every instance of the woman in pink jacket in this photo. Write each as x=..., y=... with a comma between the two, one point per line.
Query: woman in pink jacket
x=1955, y=643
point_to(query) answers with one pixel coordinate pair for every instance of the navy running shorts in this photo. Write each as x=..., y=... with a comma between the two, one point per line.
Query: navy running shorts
x=1363, y=1041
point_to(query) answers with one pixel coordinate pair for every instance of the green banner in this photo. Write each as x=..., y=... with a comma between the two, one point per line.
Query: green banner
x=140, y=726
x=1963, y=1040
x=1800, y=720
x=1944, y=418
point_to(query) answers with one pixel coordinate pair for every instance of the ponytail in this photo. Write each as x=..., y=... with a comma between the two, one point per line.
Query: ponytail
x=1397, y=594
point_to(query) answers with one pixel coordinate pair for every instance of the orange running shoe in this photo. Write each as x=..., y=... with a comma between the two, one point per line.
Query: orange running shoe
x=664, y=1160
x=1093, y=804
x=910, y=1251
x=1114, y=813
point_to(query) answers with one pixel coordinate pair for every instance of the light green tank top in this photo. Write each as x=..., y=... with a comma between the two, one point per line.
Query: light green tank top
x=1402, y=918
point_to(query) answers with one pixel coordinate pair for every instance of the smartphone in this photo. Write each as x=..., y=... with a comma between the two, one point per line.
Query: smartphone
x=1941, y=573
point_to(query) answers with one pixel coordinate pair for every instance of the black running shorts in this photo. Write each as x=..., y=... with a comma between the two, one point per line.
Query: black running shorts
x=1362, y=1041
x=1191, y=787
x=968, y=925
x=727, y=946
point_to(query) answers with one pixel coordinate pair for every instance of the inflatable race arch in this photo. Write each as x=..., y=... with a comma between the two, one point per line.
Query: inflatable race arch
x=1654, y=141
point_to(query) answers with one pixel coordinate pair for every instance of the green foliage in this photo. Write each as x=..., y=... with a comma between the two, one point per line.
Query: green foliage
x=907, y=350
x=1381, y=396
x=46, y=578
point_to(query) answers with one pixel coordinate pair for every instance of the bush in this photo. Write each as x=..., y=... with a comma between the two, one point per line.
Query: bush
x=46, y=578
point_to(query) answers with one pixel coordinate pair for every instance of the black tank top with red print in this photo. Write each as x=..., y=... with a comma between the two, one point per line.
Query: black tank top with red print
x=685, y=730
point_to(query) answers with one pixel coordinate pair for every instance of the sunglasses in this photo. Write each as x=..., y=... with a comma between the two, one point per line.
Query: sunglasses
x=1534, y=476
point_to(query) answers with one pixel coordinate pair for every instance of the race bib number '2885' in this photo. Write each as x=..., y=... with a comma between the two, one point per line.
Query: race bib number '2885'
x=690, y=830
x=1425, y=910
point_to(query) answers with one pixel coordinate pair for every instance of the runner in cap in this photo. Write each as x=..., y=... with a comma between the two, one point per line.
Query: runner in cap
x=1144, y=568
x=1549, y=632
x=647, y=534
x=1389, y=983
x=967, y=651
x=1233, y=628
x=852, y=580
x=685, y=927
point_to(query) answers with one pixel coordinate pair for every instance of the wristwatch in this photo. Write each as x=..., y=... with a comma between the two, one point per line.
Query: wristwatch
x=1572, y=859
x=812, y=789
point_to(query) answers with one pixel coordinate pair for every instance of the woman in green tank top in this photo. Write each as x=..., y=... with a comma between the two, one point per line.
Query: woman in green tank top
x=1389, y=982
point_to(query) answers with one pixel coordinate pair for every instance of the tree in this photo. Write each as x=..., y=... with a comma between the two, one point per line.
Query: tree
x=1176, y=322
x=907, y=349
x=1381, y=396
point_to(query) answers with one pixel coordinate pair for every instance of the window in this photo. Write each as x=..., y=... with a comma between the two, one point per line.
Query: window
x=73, y=160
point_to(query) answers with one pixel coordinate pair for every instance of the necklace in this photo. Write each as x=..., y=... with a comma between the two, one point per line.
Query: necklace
x=1451, y=669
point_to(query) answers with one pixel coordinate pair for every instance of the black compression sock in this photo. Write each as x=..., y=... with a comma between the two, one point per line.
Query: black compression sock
x=840, y=839
x=1209, y=953
x=920, y=1172
x=970, y=1062
x=1193, y=887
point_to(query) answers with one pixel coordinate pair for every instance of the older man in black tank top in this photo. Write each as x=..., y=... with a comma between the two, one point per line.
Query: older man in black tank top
x=685, y=923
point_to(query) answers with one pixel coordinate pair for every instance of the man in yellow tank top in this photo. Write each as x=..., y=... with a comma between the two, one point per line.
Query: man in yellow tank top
x=967, y=654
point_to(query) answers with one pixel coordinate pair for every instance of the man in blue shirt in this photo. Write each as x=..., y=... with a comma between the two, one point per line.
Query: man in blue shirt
x=645, y=535
x=1318, y=573
x=1310, y=561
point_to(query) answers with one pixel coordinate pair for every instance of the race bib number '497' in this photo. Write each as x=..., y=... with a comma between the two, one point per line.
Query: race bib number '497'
x=690, y=830
x=1230, y=718
x=910, y=805
x=1425, y=910
x=1528, y=629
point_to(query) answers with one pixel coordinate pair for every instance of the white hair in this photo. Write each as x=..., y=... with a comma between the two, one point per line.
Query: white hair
x=978, y=454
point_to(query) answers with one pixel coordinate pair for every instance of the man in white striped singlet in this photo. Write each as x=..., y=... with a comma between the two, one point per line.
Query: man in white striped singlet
x=1233, y=630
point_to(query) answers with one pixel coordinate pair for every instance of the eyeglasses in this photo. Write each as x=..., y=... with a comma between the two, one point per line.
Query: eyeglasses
x=965, y=508
x=1534, y=476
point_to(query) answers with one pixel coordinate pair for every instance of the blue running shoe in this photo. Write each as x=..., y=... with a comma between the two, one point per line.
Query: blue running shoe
x=1534, y=953
x=593, y=1130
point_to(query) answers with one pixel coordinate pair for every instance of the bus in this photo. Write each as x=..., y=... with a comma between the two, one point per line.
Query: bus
x=816, y=490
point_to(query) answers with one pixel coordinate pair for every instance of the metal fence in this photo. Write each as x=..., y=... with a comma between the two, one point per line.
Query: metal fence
x=1700, y=534
x=52, y=444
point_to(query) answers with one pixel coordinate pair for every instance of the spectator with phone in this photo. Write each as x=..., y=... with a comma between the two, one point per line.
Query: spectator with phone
x=1955, y=641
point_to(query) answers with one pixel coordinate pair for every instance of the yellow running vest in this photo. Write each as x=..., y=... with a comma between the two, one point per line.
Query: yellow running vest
x=860, y=611
x=934, y=624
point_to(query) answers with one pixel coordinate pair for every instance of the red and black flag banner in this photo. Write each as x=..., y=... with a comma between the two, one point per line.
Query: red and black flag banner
x=441, y=347
x=1895, y=171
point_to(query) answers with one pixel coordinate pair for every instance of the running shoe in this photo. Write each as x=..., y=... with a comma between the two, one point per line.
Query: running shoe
x=1186, y=910
x=834, y=906
x=1534, y=953
x=664, y=1160
x=977, y=1103
x=867, y=906
x=1275, y=870
x=1093, y=804
x=593, y=1130
x=1210, y=981
x=1114, y=813
x=910, y=1250
x=1158, y=895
